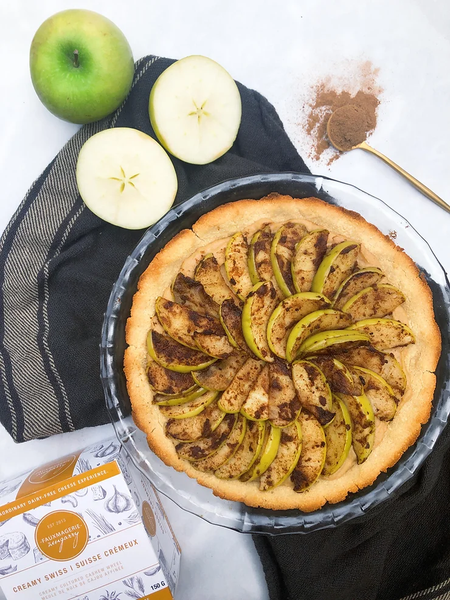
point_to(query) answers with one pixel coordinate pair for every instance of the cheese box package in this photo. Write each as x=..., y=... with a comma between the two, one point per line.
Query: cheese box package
x=88, y=526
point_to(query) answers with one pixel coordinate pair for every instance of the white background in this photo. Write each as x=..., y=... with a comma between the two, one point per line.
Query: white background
x=281, y=49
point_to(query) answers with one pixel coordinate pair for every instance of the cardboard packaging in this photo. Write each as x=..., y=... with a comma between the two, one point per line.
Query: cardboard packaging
x=88, y=526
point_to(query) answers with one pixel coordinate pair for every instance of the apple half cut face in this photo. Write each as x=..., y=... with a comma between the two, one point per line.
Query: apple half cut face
x=195, y=110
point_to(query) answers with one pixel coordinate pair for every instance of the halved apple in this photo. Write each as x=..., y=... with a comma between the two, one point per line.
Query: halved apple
x=256, y=406
x=231, y=319
x=338, y=376
x=385, y=333
x=287, y=313
x=363, y=424
x=308, y=255
x=258, y=308
x=169, y=383
x=314, y=322
x=126, y=178
x=356, y=282
x=227, y=450
x=236, y=266
x=313, y=453
x=189, y=409
x=313, y=390
x=246, y=454
x=281, y=253
x=206, y=446
x=379, y=392
x=195, y=109
x=336, y=266
x=329, y=342
x=267, y=454
x=214, y=344
x=338, y=436
x=284, y=404
x=173, y=356
x=287, y=456
x=376, y=301
x=176, y=400
x=196, y=427
x=209, y=274
x=236, y=393
x=192, y=294
x=219, y=375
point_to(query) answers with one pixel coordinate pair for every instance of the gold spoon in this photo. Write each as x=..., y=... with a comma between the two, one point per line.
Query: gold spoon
x=339, y=113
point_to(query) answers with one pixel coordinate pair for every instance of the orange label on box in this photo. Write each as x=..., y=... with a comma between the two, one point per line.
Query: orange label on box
x=52, y=472
x=61, y=535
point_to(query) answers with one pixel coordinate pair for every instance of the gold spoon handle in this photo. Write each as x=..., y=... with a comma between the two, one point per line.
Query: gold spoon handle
x=415, y=182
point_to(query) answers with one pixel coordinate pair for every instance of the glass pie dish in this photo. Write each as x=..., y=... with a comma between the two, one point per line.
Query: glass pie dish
x=186, y=492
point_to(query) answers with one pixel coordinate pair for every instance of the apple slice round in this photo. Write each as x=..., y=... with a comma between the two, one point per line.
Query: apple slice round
x=195, y=110
x=126, y=178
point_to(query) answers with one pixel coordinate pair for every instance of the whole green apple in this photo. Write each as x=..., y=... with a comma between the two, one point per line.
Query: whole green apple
x=81, y=65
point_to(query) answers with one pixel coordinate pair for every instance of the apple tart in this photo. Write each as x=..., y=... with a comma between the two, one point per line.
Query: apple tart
x=281, y=352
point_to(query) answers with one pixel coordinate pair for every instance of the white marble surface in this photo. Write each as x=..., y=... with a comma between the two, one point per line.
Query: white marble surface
x=279, y=49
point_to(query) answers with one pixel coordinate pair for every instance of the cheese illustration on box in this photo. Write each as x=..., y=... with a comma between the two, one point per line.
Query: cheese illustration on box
x=87, y=526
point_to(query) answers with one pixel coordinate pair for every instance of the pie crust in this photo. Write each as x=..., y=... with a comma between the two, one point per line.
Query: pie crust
x=419, y=360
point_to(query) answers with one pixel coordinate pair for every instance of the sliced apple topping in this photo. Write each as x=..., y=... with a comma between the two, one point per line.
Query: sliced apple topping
x=336, y=266
x=189, y=409
x=231, y=319
x=308, y=255
x=192, y=294
x=338, y=437
x=256, y=313
x=246, y=453
x=363, y=424
x=236, y=266
x=219, y=375
x=379, y=392
x=256, y=406
x=329, y=342
x=169, y=383
x=209, y=274
x=376, y=301
x=356, y=282
x=338, y=376
x=284, y=404
x=286, y=458
x=206, y=446
x=313, y=453
x=176, y=400
x=313, y=390
x=236, y=393
x=314, y=322
x=287, y=313
x=281, y=253
x=193, y=428
x=259, y=261
x=227, y=450
x=214, y=344
x=385, y=333
x=173, y=356
x=269, y=449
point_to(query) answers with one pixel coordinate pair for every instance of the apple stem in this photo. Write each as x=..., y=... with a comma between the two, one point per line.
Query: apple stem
x=75, y=59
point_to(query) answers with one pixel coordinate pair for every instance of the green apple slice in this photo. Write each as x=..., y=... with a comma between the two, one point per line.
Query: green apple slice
x=267, y=454
x=338, y=376
x=336, y=266
x=281, y=253
x=363, y=424
x=219, y=375
x=191, y=293
x=329, y=342
x=169, y=383
x=227, y=450
x=209, y=274
x=236, y=393
x=259, y=261
x=356, y=282
x=287, y=313
x=173, y=356
x=257, y=310
x=338, y=437
x=308, y=255
x=196, y=427
x=126, y=178
x=256, y=406
x=231, y=319
x=286, y=459
x=315, y=322
x=313, y=390
x=236, y=267
x=379, y=392
x=188, y=409
x=182, y=323
x=284, y=404
x=246, y=454
x=385, y=333
x=313, y=453
x=376, y=301
x=214, y=344
x=195, y=110
x=206, y=446
x=176, y=400
x=382, y=363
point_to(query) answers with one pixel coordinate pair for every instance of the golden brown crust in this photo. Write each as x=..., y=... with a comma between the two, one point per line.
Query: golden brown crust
x=419, y=360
